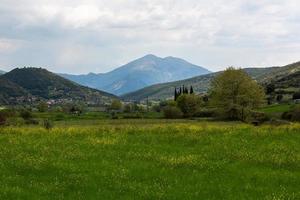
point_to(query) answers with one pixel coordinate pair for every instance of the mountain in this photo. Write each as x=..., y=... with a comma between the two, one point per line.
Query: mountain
x=140, y=73
x=285, y=79
x=287, y=75
x=25, y=84
x=2, y=72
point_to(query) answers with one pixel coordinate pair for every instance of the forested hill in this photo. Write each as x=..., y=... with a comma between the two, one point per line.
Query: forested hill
x=22, y=83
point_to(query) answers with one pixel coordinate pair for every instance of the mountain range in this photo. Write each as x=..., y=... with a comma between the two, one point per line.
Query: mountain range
x=2, y=72
x=139, y=73
x=284, y=78
x=28, y=84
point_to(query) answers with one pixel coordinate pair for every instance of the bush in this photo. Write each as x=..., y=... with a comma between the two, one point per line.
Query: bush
x=172, y=112
x=205, y=113
x=258, y=118
x=31, y=121
x=133, y=116
x=296, y=95
x=42, y=106
x=3, y=118
x=26, y=114
x=293, y=115
x=47, y=124
x=188, y=104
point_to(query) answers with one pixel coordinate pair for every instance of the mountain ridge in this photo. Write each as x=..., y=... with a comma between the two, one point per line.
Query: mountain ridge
x=201, y=83
x=139, y=73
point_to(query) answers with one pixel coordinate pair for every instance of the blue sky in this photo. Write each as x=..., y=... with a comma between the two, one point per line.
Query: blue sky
x=81, y=36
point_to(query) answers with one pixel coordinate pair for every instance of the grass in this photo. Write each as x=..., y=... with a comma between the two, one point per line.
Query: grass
x=150, y=159
x=279, y=108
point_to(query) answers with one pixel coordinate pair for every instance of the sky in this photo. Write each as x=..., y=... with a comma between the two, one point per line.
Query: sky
x=82, y=36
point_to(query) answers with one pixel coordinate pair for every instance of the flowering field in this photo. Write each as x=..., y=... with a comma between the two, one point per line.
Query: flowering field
x=150, y=159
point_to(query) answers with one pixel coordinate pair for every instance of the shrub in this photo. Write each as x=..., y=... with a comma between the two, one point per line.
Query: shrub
x=292, y=115
x=128, y=108
x=172, y=112
x=42, y=106
x=205, y=113
x=258, y=118
x=31, y=121
x=296, y=95
x=116, y=105
x=26, y=114
x=3, y=118
x=188, y=104
x=5, y=114
x=47, y=124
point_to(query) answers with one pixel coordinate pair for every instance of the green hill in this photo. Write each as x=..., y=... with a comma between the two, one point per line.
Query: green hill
x=22, y=84
x=281, y=75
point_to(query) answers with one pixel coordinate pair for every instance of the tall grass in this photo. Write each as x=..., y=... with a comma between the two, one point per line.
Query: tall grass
x=150, y=159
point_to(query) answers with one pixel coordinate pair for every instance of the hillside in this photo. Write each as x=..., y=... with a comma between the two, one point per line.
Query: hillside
x=140, y=73
x=2, y=72
x=281, y=75
x=36, y=83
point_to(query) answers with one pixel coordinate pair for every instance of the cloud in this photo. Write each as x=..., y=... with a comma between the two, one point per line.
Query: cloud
x=97, y=35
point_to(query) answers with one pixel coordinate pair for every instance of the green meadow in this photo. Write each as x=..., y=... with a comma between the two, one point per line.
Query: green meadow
x=150, y=159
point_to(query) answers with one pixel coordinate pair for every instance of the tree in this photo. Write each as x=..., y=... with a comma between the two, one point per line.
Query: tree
x=188, y=104
x=296, y=95
x=116, y=105
x=234, y=93
x=175, y=94
x=279, y=97
x=191, y=90
x=42, y=106
x=172, y=112
x=270, y=89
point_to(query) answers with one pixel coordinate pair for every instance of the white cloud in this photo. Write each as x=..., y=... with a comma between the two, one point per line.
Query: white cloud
x=211, y=33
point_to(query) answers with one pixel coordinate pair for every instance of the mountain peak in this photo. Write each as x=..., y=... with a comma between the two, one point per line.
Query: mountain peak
x=140, y=73
x=150, y=56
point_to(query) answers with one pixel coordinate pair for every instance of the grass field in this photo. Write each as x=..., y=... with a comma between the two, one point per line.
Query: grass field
x=150, y=159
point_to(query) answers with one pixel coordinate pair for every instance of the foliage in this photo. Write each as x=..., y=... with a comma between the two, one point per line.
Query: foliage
x=205, y=112
x=293, y=114
x=74, y=108
x=116, y=105
x=42, y=106
x=188, y=104
x=172, y=112
x=47, y=124
x=296, y=95
x=234, y=93
x=26, y=114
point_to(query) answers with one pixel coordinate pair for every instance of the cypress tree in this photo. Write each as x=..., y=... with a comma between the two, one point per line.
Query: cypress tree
x=191, y=90
x=175, y=94
x=186, y=90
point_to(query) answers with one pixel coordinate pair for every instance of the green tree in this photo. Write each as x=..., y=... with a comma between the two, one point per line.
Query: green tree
x=116, y=105
x=42, y=106
x=172, y=112
x=234, y=93
x=189, y=104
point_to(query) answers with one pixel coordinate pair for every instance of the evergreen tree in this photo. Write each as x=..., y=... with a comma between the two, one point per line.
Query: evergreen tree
x=175, y=94
x=191, y=90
